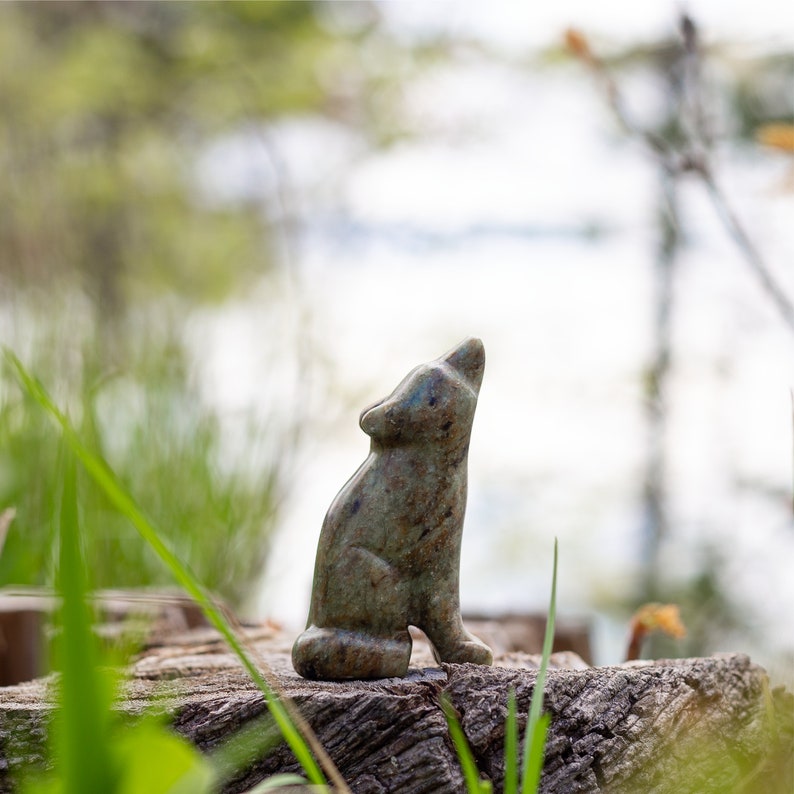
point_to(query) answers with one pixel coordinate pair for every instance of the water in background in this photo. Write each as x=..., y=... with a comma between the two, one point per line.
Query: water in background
x=536, y=234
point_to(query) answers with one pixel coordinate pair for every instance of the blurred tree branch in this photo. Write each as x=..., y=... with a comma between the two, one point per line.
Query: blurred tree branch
x=689, y=151
x=681, y=145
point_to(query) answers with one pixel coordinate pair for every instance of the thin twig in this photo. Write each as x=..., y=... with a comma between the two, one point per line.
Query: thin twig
x=656, y=392
x=749, y=250
x=690, y=155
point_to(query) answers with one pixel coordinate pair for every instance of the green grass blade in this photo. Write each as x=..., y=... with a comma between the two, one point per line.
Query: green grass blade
x=125, y=504
x=277, y=782
x=471, y=775
x=156, y=760
x=537, y=745
x=511, y=745
x=529, y=785
x=84, y=712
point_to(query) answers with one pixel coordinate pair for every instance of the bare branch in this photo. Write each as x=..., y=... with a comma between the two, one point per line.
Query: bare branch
x=691, y=154
x=748, y=249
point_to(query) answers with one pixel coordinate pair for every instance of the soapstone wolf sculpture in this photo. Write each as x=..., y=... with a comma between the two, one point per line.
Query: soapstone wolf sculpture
x=389, y=550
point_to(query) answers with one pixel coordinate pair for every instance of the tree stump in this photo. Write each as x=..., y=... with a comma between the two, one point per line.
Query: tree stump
x=683, y=725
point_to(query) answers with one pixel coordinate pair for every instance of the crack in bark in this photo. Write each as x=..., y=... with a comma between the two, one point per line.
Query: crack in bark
x=650, y=727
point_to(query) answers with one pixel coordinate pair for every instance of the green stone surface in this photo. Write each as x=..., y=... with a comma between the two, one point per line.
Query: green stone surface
x=389, y=550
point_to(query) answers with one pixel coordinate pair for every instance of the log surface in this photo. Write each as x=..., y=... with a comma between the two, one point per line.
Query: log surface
x=684, y=725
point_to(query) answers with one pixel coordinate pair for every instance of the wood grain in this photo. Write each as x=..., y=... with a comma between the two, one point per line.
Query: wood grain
x=684, y=725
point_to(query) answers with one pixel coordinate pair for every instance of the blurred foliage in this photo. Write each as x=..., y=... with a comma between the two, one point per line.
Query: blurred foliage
x=108, y=241
x=107, y=105
x=742, y=91
x=761, y=93
x=169, y=450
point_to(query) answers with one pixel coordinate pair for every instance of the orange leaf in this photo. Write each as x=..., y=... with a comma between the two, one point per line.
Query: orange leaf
x=577, y=43
x=653, y=617
x=660, y=617
x=778, y=136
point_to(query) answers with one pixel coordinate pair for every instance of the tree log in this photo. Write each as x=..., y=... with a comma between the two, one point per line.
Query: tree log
x=684, y=725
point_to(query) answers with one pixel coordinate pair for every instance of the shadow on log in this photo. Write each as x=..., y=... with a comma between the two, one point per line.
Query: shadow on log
x=686, y=725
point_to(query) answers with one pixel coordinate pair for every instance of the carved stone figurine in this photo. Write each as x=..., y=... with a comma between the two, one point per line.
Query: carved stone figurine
x=389, y=550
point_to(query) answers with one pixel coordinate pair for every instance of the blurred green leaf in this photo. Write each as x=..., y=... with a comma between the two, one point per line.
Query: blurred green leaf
x=157, y=761
x=83, y=717
x=107, y=109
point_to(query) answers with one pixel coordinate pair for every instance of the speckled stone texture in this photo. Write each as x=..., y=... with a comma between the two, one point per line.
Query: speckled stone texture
x=389, y=550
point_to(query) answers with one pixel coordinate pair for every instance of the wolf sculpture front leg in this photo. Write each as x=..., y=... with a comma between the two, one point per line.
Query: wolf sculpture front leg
x=451, y=642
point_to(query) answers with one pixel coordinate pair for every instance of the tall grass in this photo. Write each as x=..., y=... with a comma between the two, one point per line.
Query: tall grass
x=93, y=752
x=136, y=405
x=84, y=715
x=81, y=665
x=538, y=723
x=527, y=779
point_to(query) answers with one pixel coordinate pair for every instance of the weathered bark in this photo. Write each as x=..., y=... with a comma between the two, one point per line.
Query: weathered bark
x=686, y=725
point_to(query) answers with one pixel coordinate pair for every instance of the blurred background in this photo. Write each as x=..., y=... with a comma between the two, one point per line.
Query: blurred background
x=227, y=227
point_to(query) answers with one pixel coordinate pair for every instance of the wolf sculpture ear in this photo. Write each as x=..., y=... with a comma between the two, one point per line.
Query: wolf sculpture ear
x=468, y=359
